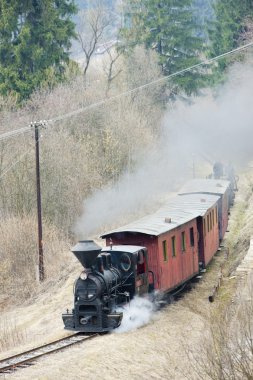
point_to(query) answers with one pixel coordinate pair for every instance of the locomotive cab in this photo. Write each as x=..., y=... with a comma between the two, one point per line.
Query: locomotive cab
x=132, y=262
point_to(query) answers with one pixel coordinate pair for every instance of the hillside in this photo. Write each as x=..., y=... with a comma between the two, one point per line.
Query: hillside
x=121, y=127
x=139, y=143
x=173, y=333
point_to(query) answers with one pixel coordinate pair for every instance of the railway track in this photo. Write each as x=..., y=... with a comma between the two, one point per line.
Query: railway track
x=25, y=359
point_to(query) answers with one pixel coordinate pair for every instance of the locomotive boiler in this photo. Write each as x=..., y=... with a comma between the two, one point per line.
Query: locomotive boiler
x=110, y=278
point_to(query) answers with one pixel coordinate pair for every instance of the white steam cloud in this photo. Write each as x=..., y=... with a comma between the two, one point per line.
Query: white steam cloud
x=207, y=129
x=220, y=126
x=136, y=314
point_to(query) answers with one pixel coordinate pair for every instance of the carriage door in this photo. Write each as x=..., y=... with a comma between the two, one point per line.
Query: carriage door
x=141, y=282
x=201, y=234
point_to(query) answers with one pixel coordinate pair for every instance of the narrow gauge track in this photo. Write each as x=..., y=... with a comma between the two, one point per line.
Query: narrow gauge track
x=26, y=358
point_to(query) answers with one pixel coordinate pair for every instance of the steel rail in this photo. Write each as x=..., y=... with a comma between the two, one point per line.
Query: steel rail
x=25, y=358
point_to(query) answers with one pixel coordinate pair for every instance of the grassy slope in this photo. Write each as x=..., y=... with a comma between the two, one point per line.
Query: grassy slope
x=155, y=351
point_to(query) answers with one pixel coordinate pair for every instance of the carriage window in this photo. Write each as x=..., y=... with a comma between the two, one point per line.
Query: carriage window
x=165, y=253
x=204, y=227
x=208, y=223
x=216, y=212
x=192, y=236
x=213, y=217
x=173, y=243
x=183, y=241
x=211, y=222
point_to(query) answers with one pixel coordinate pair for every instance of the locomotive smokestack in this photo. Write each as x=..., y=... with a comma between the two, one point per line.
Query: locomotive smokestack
x=86, y=251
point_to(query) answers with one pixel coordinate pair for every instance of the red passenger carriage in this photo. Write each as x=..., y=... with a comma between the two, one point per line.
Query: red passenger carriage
x=219, y=187
x=177, y=238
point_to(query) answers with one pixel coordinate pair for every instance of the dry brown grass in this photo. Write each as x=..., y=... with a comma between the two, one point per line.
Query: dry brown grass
x=10, y=335
x=19, y=256
x=225, y=353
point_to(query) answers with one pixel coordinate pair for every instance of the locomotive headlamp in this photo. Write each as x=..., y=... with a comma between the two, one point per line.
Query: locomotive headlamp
x=83, y=275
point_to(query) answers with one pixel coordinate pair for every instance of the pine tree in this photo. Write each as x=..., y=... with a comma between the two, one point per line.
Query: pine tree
x=205, y=14
x=170, y=28
x=35, y=37
x=227, y=27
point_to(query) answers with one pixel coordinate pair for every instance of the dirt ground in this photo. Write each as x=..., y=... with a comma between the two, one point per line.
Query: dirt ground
x=157, y=350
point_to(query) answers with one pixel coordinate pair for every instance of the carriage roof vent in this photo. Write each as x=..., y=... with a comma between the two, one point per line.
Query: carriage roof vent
x=167, y=220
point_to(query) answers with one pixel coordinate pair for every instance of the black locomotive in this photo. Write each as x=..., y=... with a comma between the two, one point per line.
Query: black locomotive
x=111, y=277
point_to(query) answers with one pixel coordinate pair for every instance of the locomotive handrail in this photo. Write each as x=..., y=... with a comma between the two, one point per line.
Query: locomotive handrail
x=127, y=278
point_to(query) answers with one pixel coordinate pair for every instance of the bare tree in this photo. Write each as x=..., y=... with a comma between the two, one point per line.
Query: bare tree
x=110, y=68
x=93, y=23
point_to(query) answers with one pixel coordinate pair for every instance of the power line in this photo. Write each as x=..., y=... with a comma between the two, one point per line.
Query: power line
x=159, y=80
x=7, y=135
x=33, y=125
x=5, y=171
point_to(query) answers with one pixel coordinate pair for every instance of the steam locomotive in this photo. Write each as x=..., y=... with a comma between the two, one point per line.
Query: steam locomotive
x=160, y=252
x=111, y=277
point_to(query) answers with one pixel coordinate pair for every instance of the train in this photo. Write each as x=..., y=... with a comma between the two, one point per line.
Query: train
x=158, y=253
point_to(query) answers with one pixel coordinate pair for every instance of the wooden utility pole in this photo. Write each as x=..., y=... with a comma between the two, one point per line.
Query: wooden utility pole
x=36, y=126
